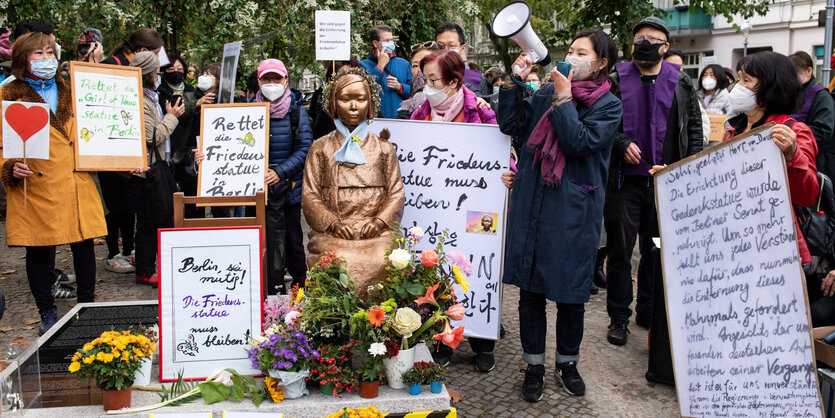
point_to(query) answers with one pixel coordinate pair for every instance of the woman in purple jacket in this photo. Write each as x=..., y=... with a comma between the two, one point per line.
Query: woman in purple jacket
x=447, y=100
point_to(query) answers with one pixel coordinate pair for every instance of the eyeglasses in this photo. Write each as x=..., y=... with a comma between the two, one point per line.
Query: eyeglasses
x=425, y=45
x=432, y=81
x=653, y=40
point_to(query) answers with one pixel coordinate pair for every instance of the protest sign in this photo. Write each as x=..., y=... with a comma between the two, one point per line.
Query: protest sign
x=452, y=178
x=209, y=299
x=735, y=291
x=333, y=35
x=110, y=119
x=717, y=127
x=25, y=130
x=228, y=72
x=234, y=139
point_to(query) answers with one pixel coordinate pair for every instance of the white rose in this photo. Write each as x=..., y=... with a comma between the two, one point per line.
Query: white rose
x=406, y=321
x=400, y=258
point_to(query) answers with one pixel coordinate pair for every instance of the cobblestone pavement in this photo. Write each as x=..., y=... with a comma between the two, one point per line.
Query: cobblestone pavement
x=614, y=376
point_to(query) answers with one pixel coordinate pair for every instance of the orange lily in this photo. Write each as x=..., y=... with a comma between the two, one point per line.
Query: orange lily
x=450, y=337
x=429, y=297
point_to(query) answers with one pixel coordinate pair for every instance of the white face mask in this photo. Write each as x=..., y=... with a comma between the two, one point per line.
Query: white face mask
x=204, y=82
x=742, y=99
x=435, y=96
x=709, y=83
x=272, y=91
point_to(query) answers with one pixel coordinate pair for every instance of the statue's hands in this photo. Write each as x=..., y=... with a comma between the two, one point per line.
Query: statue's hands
x=372, y=229
x=341, y=230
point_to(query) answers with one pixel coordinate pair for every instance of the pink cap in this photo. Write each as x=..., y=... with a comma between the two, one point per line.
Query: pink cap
x=272, y=65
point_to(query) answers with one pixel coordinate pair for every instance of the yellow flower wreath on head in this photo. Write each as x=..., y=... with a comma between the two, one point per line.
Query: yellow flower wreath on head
x=329, y=92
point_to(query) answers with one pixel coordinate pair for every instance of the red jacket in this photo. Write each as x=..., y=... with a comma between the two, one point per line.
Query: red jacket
x=801, y=170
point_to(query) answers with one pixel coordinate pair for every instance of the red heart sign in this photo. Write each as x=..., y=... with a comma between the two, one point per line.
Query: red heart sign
x=26, y=121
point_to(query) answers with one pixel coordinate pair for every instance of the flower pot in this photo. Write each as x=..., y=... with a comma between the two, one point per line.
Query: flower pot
x=397, y=365
x=143, y=375
x=293, y=382
x=414, y=389
x=370, y=390
x=436, y=387
x=327, y=389
x=115, y=399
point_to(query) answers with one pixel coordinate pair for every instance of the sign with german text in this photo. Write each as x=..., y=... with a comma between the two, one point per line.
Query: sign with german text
x=735, y=291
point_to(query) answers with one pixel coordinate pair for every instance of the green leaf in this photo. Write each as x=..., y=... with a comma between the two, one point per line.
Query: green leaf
x=413, y=288
x=236, y=393
x=214, y=392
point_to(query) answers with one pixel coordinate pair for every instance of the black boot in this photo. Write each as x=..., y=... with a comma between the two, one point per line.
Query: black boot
x=599, y=273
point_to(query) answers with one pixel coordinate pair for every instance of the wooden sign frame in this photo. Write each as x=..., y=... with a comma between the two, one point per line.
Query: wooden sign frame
x=266, y=107
x=100, y=162
x=657, y=176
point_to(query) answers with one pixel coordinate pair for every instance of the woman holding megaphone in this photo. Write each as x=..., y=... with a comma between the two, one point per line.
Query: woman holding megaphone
x=563, y=135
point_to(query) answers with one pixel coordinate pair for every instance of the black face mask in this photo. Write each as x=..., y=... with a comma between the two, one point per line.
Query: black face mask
x=646, y=51
x=175, y=78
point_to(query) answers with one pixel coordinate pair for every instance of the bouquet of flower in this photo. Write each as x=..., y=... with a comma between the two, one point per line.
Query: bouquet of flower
x=431, y=371
x=329, y=301
x=112, y=359
x=284, y=311
x=333, y=367
x=366, y=329
x=289, y=353
x=418, y=298
x=367, y=412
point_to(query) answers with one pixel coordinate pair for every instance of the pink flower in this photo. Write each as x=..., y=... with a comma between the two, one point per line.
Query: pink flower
x=429, y=297
x=457, y=258
x=429, y=258
x=450, y=337
x=455, y=312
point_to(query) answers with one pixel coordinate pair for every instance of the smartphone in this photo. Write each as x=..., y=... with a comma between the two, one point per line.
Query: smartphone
x=563, y=68
x=84, y=48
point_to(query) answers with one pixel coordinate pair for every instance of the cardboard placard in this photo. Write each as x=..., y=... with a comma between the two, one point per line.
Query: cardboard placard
x=210, y=294
x=333, y=35
x=452, y=178
x=25, y=131
x=717, y=127
x=736, y=295
x=110, y=119
x=228, y=72
x=234, y=139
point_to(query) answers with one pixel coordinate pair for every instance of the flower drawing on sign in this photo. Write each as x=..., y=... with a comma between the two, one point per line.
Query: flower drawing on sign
x=188, y=347
x=248, y=139
x=86, y=134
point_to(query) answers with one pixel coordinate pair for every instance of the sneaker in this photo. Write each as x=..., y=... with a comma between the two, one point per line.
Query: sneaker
x=153, y=281
x=594, y=289
x=566, y=373
x=133, y=257
x=617, y=334
x=534, y=382
x=64, y=278
x=119, y=264
x=643, y=321
x=48, y=318
x=63, y=291
x=484, y=362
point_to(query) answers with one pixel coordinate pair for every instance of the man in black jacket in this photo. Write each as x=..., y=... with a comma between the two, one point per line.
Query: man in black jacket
x=661, y=125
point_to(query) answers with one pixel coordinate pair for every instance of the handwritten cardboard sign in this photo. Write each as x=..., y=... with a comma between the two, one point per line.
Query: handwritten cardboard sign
x=110, y=118
x=234, y=138
x=735, y=291
x=717, y=127
x=452, y=178
x=333, y=35
x=25, y=130
x=210, y=297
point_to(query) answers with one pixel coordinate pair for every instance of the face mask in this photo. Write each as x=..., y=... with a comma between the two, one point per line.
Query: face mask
x=581, y=66
x=435, y=96
x=742, y=99
x=533, y=84
x=272, y=91
x=174, y=78
x=709, y=83
x=388, y=47
x=45, y=68
x=496, y=89
x=204, y=82
x=458, y=51
x=645, y=51
x=158, y=82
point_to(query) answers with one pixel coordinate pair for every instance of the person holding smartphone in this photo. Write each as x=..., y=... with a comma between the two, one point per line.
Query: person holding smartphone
x=392, y=73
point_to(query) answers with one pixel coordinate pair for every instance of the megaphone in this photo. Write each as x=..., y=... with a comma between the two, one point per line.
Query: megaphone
x=514, y=21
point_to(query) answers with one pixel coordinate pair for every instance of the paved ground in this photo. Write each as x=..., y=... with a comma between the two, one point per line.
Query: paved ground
x=614, y=375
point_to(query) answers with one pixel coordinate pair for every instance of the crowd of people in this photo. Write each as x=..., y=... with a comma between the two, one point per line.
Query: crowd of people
x=584, y=144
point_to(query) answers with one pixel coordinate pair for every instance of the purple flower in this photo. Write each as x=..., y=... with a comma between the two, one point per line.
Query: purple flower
x=457, y=258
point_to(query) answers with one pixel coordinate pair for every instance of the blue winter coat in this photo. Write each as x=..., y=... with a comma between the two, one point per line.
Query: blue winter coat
x=389, y=98
x=287, y=156
x=552, y=232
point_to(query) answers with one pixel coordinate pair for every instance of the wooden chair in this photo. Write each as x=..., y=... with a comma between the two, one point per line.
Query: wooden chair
x=259, y=201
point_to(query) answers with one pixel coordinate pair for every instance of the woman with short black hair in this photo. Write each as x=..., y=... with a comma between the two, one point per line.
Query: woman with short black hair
x=713, y=91
x=817, y=112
